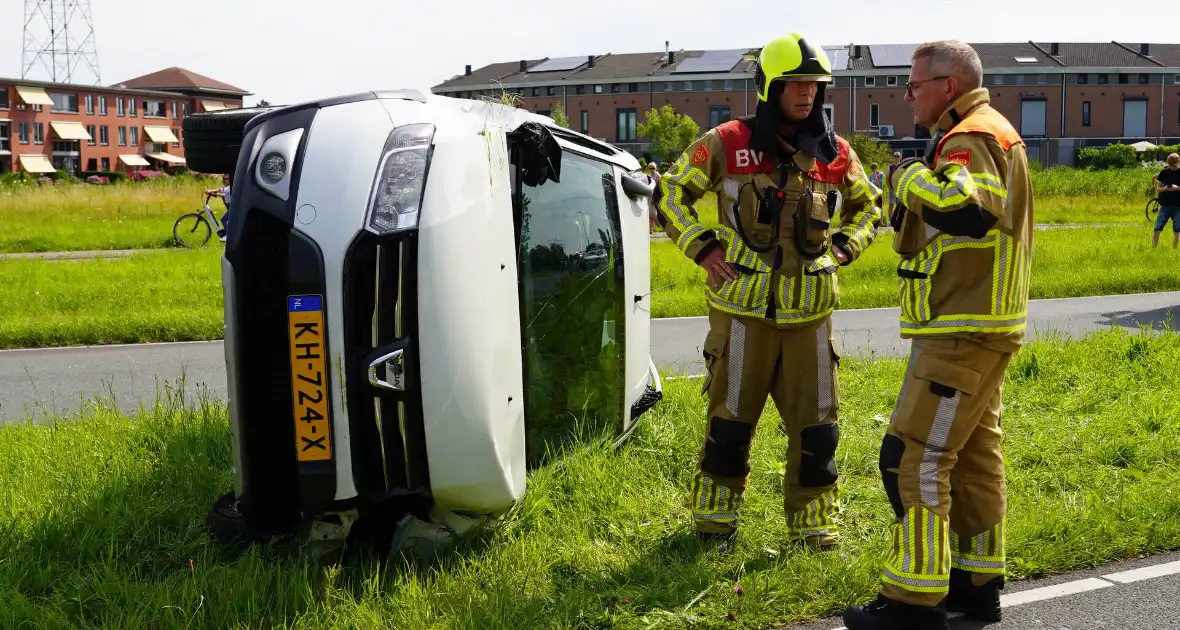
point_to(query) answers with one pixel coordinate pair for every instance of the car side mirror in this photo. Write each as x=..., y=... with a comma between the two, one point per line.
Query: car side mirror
x=638, y=185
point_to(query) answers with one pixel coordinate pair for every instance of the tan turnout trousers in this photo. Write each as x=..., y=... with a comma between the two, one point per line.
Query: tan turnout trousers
x=748, y=359
x=943, y=472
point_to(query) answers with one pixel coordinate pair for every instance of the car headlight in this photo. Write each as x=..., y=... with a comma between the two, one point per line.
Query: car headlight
x=401, y=178
x=272, y=171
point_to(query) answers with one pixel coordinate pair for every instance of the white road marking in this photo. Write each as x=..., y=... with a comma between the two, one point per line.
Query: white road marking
x=1051, y=592
x=1146, y=573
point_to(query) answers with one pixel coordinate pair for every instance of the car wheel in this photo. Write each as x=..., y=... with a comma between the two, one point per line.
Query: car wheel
x=212, y=139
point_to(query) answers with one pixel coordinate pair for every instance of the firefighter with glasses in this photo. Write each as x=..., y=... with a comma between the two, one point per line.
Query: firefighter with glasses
x=964, y=222
x=794, y=204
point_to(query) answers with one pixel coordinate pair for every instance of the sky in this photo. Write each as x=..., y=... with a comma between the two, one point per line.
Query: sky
x=289, y=51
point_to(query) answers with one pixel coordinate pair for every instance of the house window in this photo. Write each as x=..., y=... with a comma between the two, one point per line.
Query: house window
x=616, y=88
x=1085, y=113
x=176, y=132
x=830, y=113
x=668, y=87
x=1083, y=79
x=1143, y=80
x=3, y=98
x=119, y=111
x=131, y=107
x=870, y=81
x=154, y=109
x=1042, y=79
x=536, y=91
x=891, y=81
x=551, y=91
x=585, y=121
x=688, y=86
x=106, y=164
x=625, y=130
x=580, y=89
x=38, y=133
x=633, y=87
x=90, y=129
x=174, y=116
x=874, y=115
x=135, y=136
x=998, y=79
x=1124, y=79
x=23, y=132
x=598, y=89
x=89, y=103
x=184, y=109
x=102, y=106
x=64, y=102
x=104, y=136
x=1103, y=79
x=122, y=136
x=4, y=141
x=718, y=115
x=708, y=86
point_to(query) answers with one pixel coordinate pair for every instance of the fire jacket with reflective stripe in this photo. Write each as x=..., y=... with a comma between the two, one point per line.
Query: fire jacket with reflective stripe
x=780, y=284
x=967, y=229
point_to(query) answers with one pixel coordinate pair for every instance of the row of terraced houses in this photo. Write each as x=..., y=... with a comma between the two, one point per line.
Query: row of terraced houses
x=134, y=124
x=1061, y=96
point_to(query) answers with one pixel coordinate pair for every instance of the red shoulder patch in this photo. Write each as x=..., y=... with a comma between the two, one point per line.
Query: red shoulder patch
x=740, y=159
x=701, y=155
x=833, y=172
x=960, y=156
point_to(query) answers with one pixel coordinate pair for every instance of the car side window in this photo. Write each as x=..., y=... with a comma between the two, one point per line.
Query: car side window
x=573, y=306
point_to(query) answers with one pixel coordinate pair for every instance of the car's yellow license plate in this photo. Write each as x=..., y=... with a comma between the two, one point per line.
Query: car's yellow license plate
x=309, y=383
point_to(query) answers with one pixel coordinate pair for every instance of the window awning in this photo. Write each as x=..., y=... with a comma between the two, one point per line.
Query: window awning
x=70, y=130
x=167, y=157
x=33, y=96
x=212, y=106
x=160, y=134
x=134, y=160
x=36, y=164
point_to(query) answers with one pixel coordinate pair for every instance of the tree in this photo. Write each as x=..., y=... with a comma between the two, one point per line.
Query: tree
x=264, y=103
x=558, y=116
x=670, y=133
x=870, y=150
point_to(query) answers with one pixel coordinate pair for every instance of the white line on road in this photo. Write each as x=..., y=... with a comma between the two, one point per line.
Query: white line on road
x=1051, y=592
x=1081, y=586
x=1146, y=573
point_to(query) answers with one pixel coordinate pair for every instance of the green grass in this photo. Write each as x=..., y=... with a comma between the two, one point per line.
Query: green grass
x=1066, y=263
x=140, y=215
x=82, y=217
x=176, y=295
x=154, y=296
x=102, y=518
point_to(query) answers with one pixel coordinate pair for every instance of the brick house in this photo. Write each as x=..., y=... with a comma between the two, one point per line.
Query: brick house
x=1060, y=96
x=84, y=128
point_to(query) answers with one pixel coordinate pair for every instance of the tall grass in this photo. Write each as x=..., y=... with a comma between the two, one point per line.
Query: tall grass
x=1060, y=181
x=102, y=519
x=135, y=215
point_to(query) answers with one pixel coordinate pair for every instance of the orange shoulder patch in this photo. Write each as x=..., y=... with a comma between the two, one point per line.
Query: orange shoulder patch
x=959, y=156
x=701, y=155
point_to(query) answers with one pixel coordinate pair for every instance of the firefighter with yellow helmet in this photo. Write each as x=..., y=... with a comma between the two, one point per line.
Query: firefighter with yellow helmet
x=794, y=204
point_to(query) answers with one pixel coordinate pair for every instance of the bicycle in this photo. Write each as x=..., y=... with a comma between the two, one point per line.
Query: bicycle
x=200, y=221
x=1153, y=204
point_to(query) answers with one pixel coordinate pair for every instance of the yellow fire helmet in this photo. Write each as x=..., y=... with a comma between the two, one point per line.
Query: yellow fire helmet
x=790, y=58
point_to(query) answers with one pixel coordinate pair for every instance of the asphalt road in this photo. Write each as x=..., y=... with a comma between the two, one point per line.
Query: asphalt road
x=36, y=382
x=1140, y=594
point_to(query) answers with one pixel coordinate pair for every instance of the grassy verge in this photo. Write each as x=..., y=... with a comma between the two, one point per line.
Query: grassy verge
x=176, y=296
x=103, y=516
x=155, y=296
x=1066, y=263
x=77, y=218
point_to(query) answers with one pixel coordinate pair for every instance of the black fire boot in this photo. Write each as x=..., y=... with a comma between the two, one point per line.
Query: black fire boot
x=977, y=602
x=887, y=614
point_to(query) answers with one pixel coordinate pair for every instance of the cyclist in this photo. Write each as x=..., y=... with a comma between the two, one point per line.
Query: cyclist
x=224, y=193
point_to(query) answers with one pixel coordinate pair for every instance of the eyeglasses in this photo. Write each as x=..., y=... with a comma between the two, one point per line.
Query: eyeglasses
x=910, y=85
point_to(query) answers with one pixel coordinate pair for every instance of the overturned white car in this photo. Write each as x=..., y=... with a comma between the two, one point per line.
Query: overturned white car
x=423, y=297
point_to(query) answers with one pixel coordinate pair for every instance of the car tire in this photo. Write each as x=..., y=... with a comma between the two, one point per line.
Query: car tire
x=212, y=139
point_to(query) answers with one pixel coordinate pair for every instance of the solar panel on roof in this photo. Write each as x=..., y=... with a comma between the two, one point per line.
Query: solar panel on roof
x=838, y=56
x=892, y=55
x=559, y=63
x=712, y=61
x=1026, y=59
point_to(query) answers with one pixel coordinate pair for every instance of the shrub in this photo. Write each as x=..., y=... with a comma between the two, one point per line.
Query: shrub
x=870, y=150
x=1113, y=156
